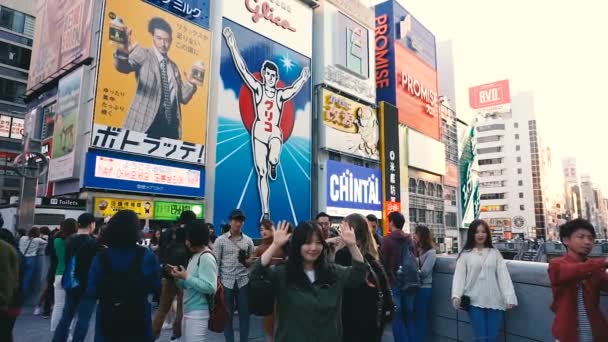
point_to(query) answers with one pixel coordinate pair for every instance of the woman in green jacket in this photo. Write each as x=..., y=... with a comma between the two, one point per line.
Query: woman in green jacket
x=309, y=290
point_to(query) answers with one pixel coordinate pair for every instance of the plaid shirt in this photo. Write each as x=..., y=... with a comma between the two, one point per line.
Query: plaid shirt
x=227, y=253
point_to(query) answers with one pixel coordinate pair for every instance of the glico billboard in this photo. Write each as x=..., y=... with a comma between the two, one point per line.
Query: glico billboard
x=406, y=66
x=490, y=95
x=264, y=113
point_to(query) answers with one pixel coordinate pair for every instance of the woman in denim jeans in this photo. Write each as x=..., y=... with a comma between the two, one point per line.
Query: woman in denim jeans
x=419, y=325
x=481, y=274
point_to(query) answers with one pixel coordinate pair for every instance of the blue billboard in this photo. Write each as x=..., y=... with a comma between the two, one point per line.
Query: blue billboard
x=352, y=189
x=116, y=171
x=263, y=150
x=195, y=11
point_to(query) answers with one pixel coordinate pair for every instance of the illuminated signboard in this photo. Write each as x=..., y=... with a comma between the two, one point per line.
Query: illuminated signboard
x=109, y=170
x=170, y=211
x=105, y=207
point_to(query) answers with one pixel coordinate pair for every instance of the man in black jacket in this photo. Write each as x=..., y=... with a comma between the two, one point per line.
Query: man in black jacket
x=173, y=251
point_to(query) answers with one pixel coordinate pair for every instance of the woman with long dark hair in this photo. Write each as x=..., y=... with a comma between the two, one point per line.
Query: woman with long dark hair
x=308, y=289
x=121, y=278
x=419, y=324
x=68, y=228
x=481, y=278
x=368, y=307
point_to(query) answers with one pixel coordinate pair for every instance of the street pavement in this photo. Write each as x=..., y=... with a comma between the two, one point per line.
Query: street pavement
x=30, y=328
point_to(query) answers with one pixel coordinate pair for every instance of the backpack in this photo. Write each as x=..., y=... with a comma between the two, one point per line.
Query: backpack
x=122, y=299
x=70, y=280
x=408, y=275
x=217, y=305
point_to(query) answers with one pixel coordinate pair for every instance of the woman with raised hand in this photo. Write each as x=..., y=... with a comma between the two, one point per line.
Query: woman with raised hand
x=482, y=284
x=308, y=289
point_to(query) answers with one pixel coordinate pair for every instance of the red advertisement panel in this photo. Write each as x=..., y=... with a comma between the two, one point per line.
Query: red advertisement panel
x=417, y=98
x=491, y=94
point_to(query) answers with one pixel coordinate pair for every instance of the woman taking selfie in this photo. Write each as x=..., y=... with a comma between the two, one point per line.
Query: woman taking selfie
x=482, y=284
x=307, y=289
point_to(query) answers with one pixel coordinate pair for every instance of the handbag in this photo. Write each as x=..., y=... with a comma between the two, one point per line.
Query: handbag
x=465, y=301
x=217, y=304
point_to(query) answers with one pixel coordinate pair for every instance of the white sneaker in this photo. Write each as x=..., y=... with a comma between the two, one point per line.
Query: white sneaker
x=37, y=311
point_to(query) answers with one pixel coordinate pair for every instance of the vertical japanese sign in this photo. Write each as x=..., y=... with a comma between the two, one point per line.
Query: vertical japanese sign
x=263, y=151
x=65, y=130
x=62, y=36
x=153, y=83
x=389, y=151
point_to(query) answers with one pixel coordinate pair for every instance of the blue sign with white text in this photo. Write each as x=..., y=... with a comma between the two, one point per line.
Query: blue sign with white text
x=353, y=187
x=195, y=11
x=117, y=171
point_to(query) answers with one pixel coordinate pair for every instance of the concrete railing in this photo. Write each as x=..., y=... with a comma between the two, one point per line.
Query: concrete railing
x=530, y=321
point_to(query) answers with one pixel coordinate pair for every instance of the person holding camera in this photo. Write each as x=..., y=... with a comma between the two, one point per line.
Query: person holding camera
x=233, y=251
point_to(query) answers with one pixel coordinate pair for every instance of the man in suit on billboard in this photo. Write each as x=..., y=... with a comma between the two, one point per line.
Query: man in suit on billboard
x=266, y=133
x=156, y=106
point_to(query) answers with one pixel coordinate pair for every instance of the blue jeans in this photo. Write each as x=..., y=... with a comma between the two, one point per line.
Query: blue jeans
x=485, y=323
x=75, y=303
x=30, y=264
x=231, y=295
x=403, y=315
x=418, y=326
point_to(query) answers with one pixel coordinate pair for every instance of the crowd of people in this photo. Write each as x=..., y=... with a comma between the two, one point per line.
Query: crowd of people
x=311, y=282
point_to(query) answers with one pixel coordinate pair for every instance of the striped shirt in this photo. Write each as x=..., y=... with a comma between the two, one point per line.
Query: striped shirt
x=585, y=334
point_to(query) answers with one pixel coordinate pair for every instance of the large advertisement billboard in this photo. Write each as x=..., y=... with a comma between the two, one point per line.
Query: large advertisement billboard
x=417, y=97
x=115, y=171
x=348, y=126
x=345, y=56
x=65, y=131
x=493, y=94
x=263, y=153
x=153, y=83
x=62, y=37
x=352, y=189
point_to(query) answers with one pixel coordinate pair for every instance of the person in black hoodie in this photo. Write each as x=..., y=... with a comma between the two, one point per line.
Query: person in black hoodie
x=367, y=308
x=173, y=251
x=84, y=247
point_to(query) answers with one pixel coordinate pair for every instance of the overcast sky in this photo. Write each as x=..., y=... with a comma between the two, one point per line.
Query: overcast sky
x=557, y=49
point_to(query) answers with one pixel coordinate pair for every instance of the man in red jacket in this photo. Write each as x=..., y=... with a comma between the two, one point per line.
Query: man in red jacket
x=576, y=282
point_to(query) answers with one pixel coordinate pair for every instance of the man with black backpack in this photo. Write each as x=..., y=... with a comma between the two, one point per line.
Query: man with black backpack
x=81, y=248
x=398, y=257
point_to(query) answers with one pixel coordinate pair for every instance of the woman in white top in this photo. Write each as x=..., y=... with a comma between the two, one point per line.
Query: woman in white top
x=481, y=275
x=30, y=245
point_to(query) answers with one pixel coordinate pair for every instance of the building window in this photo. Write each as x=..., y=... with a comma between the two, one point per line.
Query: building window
x=335, y=156
x=516, y=125
x=519, y=171
x=14, y=55
x=492, y=138
x=492, y=196
x=489, y=150
x=490, y=127
x=516, y=136
x=412, y=185
x=517, y=148
x=519, y=159
x=11, y=91
x=488, y=208
x=521, y=195
x=490, y=161
x=520, y=182
x=421, y=188
x=522, y=207
x=439, y=191
x=431, y=190
x=12, y=20
x=450, y=220
x=413, y=216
